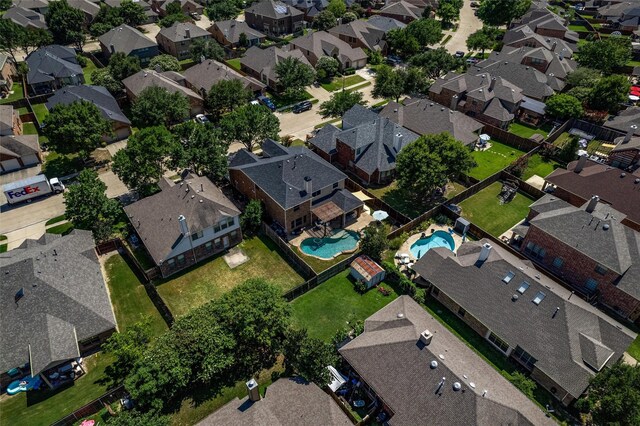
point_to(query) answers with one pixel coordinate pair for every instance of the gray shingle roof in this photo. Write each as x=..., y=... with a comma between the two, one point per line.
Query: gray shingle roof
x=385, y=24
x=552, y=338
x=357, y=115
x=139, y=81
x=6, y=119
x=178, y=32
x=155, y=218
x=533, y=83
x=624, y=120
x=390, y=359
x=97, y=95
x=50, y=62
x=232, y=30
x=282, y=176
x=322, y=43
x=65, y=300
x=273, y=9
x=264, y=61
x=402, y=8
x=205, y=74
x=125, y=39
x=372, y=37
x=19, y=145
x=25, y=17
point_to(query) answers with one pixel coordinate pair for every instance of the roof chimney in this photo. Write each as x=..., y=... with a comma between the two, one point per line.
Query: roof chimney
x=187, y=33
x=397, y=141
x=581, y=162
x=426, y=336
x=253, y=390
x=182, y=222
x=307, y=184
x=484, y=252
x=553, y=46
x=454, y=102
x=593, y=202
x=630, y=133
x=492, y=84
x=112, y=48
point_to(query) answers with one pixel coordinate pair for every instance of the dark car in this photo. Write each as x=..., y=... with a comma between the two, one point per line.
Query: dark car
x=301, y=107
x=267, y=102
x=459, y=54
x=393, y=60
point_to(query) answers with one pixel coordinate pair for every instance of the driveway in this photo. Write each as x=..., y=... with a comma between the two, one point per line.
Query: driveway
x=468, y=24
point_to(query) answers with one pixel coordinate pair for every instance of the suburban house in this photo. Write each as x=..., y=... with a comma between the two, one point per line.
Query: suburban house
x=187, y=6
x=294, y=184
x=152, y=15
x=227, y=33
x=402, y=11
x=55, y=307
x=130, y=41
x=556, y=64
x=52, y=67
x=202, y=76
x=558, y=337
x=589, y=248
x=385, y=24
x=19, y=151
x=368, y=149
x=274, y=18
x=532, y=83
x=40, y=6
x=287, y=401
x=136, y=83
x=425, y=117
x=362, y=34
x=321, y=43
x=626, y=153
x=523, y=36
x=365, y=269
x=10, y=123
x=311, y=8
x=7, y=72
x=622, y=16
x=419, y=372
x=624, y=120
x=26, y=18
x=261, y=63
x=185, y=223
x=585, y=178
x=177, y=39
x=547, y=24
x=102, y=99
x=89, y=8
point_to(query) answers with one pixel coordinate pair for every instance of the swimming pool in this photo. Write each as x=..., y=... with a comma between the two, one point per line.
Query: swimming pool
x=437, y=239
x=328, y=247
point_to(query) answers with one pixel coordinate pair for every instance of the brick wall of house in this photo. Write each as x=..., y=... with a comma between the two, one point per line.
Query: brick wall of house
x=550, y=33
x=546, y=382
x=246, y=187
x=326, y=157
x=569, y=197
x=540, y=66
x=471, y=321
x=401, y=18
x=619, y=301
x=344, y=155
x=95, y=341
x=443, y=98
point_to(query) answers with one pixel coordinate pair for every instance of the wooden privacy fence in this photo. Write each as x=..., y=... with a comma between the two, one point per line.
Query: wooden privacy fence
x=510, y=139
x=299, y=264
x=375, y=203
x=93, y=407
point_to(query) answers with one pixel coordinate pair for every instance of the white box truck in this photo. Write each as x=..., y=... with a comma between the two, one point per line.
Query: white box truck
x=36, y=186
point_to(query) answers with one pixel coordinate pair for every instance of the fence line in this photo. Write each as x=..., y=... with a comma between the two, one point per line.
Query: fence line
x=300, y=265
x=510, y=139
x=376, y=203
x=93, y=407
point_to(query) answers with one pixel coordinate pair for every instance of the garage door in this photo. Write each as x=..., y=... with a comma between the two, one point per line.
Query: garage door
x=9, y=165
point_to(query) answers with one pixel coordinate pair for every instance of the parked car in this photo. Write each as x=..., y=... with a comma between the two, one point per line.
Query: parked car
x=459, y=54
x=301, y=107
x=195, y=15
x=267, y=102
x=393, y=60
x=472, y=61
x=475, y=4
x=201, y=118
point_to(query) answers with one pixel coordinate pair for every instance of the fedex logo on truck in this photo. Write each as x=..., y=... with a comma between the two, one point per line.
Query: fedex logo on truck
x=25, y=191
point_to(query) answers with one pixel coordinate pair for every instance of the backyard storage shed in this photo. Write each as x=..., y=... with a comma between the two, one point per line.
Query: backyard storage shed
x=366, y=270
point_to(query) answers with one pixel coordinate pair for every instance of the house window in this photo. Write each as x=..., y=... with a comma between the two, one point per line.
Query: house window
x=224, y=224
x=591, y=285
x=316, y=193
x=507, y=278
x=230, y=221
x=601, y=269
x=296, y=208
x=358, y=151
x=498, y=342
x=180, y=259
x=435, y=291
x=558, y=262
x=218, y=243
x=535, y=250
x=208, y=246
x=335, y=185
x=539, y=297
x=233, y=234
x=461, y=312
x=216, y=228
x=524, y=357
x=196, y=235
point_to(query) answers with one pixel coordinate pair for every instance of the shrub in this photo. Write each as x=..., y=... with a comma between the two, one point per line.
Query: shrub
x=442, y=219
x=522, y=382
x=398, y=241
x=349, y=71
x=360, y=286
x=420, y=295
x=393, y=274
x=82, y=61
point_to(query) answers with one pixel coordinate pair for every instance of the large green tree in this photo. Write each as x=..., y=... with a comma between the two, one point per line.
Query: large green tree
x=156, y=106
x=251, y=217
x=201, y=149
x=375, y=242
x=447, y=13
x=403, y=43
x=609, y=93
x=435, y=62
x=223, y=10
x=564, y=106
x=429, y=162
x=389, y=83
x=327, y=67
x=425, y=31
x=127, y=347
x=165, y=63
x=341, y=102
x=227, y=95
x=309, y=357
x=75, y=127
x=293, y=76
x=102, y=77
x=65, y=23
x=137, y=418
x=325, y=20
x=337, y=7
x=14, y=37
x=502, y=12
x=207, y=49
x=250, y=125
x=132, y=13
x=483, y=39
x=607, y=54
x=122, y=66
x=88, y=207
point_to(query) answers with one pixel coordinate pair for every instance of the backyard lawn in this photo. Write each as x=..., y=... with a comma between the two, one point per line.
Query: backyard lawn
x=337, y=82
x=484, y=210
x=234, y=63
x=493, y=160
x=17, y=94
x=330, y=306
x=210, y=279
x=41, y=111
x=91, y=67
x=526, y=131
x=29, y=128
x=538, y=165
x=634, y=349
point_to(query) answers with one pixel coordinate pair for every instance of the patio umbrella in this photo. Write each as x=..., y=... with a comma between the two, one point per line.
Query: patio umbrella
x=380, y=215
x=634, y=98
x=485, y=138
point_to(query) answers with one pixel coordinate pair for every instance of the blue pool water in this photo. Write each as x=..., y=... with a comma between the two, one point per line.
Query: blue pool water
x=327, y=247
x=437, y=239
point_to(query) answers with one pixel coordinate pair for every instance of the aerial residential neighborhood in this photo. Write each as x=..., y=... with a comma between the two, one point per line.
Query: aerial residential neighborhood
x=320, y=212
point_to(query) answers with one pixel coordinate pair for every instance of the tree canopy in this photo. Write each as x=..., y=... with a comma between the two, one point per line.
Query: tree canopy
x=483, y=39
x=14, y=37
x=337, y=7
x=609, y=93
x=226, y=95
x=426, y=31
x=165, y=63
x=250, y=125
x=341, y=102
x=447, y=12
x=327, y=67
x=156, y=106
x=207, y=49
x=65, y=23
x=200, y=149
x=502, y=12
x=564, y=106
x=375, y=242
x=435, y=62
x=251, y=217
x=606, y=55
x=309, y=357
x=325, y=20
x=129, y=13
x=122, y=66
x=223, y=10
x=389, y=83
x=294, y=76
x=403, y=43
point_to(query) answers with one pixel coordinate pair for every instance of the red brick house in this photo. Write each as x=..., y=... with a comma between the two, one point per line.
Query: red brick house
x=274, y=18
x=627, y=150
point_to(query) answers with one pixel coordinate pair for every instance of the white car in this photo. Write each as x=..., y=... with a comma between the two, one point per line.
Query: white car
x=201, y=118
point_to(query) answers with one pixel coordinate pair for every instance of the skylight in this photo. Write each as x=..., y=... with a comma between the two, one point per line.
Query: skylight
x=539, y=297
x=523, y=287
x=507, y=278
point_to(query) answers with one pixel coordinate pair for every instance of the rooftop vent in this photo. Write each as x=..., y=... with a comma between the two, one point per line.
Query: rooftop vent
x=433, y=364
x=400, y=315
x=623, y=174
x=253, y=390
x=426, y=336
x=605, y=226
x=637, y=180
x=514, y=297
x=593, y=202
x=457, y=386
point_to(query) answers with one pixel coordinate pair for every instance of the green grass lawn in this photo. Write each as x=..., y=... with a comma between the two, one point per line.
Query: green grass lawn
x=493, y=159
x=282, y=101
x=41, y=111
x=46, y=407
x=129, y=298
x=29, y=128
x=526, y=131
x=62, y=229
x=3, y=247
x=538, y=165
x=17, y=94
x=327, y=308
x=579, y=28
x=484, y=210
x=23, y=110
x=634, y=349
x=234, y=63
x=91, y=67
x=562, y=139
x=337, y=82
x=56, y=219
x=359, y=87
x=210, y=279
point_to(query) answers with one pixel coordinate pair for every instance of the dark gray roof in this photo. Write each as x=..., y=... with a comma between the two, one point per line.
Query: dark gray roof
x=391, y=359
x=385, y=24
x=322, y=43
x=232, y=30
x=623, y=145
x=552, y=338
x=533, y=105
x=624, y=120
x=325, y=138
x=50, y=62
x=343, y=199
x=282, y=176
x=7, y=114
x=65, y=300
x=558, y=62
x=19, y=145
x=264, y=61
x=125, y=39
x=287, y=402
x=273, y=9
x=427, y=117
x=25, y=17
x=209, y=72
x=357, y=115
x=139, y=81
x=178, y=32
x=533, y=83
x=402, y=8
x=372, y=37
x=155, y=218
x=97, y=95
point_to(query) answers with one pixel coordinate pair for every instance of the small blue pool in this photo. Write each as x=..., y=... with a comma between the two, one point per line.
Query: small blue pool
x=437, y=239
x=328, y=247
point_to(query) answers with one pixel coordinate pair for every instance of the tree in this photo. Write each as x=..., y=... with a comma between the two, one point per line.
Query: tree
x=341, y=102
x=429, y=162
x=75, y=127
x=5, y=5
x=349, y=17
x=327, y=67
x=609, y=93
x=389, y=83
x=324, y=20
x=156, y=106
x=165, y=63
x=207, y=49
x=564, y=106
x=141, y=164
x=447, y=13
x=14, y=37
x=200, y=150
x=309, y=357
x=606, y=55
x=375, y=242
x=583, y=77
x=522, y=382
x=174, y=14
x=102, y=77
x=568, y=151
x=136, y=418
x=88, y=207
x=425, y=31
x=251, y=217
x=122, y=66
x=32, y=38
x=65, y=23
x=222, y=11
x=375, y=57
x=502, y=12
x=250, y=125
x=294, y=76
x=337, y=8
x=483, y=39
x=127, y=347
x=416, y=81
x=403, y=43
x=132, y=13
x=435, y=62
x=226, y=95
x=613, y=397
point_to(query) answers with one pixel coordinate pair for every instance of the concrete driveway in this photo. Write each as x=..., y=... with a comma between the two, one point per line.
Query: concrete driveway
x=468, y=24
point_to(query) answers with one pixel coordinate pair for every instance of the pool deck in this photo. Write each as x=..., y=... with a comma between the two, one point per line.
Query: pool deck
x=405, y=248
x=363, y=221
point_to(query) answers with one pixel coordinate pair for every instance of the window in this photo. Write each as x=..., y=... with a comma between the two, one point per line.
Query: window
x=296, y=208
x=218, y=243
x=523, y=287
x=498, y=342
x=539, y=297
x=180, y=259
x=170, y=262
x=230, y=221
x=216, y=228
x=233, y=235
x=558, y=262
x=358, y=151
x=208, y=246
x=507, y=278
x=601, y=269
x=335, y=185
x=435, y=291
x=524, y=357
x=591, y=285
x=316, y=193
x=461, y=312
x=196, y=235
x=535, y=250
